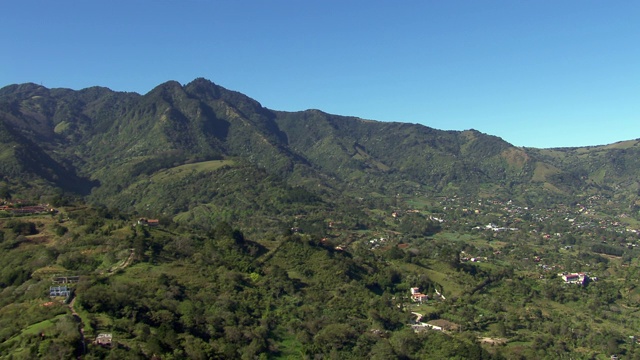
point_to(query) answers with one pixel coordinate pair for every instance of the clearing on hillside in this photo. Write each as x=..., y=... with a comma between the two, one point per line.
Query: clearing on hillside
x=186, y=169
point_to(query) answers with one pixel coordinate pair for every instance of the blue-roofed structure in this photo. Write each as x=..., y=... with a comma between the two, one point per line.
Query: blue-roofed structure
x=55, y=291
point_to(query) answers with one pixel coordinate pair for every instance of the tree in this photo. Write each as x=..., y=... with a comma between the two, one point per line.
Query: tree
x=382, y=350
x=22, y=228
x=405, y=342
x=5, y=193
x=60, y=230
x=335, y=336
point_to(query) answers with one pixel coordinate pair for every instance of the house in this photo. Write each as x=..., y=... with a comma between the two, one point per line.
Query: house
x=574, y=278
x=55, y=291
x=103, y=339
x=437, y=325
x=417, y=296
x=66, y=279
x=148, y=222
x=424, y=327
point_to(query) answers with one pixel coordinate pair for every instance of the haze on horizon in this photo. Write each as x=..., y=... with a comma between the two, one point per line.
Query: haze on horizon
x=538, y=74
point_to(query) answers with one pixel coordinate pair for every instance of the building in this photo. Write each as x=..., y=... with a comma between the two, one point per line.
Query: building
x=574, y=278
x=148, y=222
x=417, y=296
x=66, y=279
x=55, y=291
x=103, y=339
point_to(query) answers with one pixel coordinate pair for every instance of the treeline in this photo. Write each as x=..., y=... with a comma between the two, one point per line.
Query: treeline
x=607, y=249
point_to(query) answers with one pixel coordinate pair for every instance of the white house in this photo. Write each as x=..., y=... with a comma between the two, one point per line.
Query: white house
x=574, y=278
x=417, y=296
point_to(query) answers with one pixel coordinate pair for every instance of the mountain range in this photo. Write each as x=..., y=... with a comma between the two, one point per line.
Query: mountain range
x=188, y=151
x=193, y=223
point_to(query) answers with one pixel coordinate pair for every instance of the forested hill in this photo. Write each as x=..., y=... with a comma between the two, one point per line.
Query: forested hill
x=193, y=223
x=126, y=150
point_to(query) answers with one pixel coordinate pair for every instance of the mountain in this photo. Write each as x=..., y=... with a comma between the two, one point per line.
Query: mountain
x=180, y=148
x=193, y=223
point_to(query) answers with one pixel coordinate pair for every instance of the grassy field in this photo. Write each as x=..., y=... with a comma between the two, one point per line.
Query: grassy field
x=420, y=203
x=472, y=239
x=36, y=328
x=183, y=170
x=439, y=273
x=542, y=171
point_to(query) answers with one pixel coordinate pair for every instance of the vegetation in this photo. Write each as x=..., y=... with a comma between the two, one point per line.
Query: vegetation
x=193, y=223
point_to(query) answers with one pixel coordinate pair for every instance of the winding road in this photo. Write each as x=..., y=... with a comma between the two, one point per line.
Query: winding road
x=75, y=314
x=79, y=319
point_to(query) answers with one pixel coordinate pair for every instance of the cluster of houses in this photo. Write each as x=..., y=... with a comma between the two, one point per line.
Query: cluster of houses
x=578, y=215
x=103, y=339
x=376, y=243
x=18, y=207
x=494, y=227
x=397, y=213
x=464, y=257
x=62, y=288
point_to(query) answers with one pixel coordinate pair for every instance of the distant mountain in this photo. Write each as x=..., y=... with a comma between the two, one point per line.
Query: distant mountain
x=188, y=150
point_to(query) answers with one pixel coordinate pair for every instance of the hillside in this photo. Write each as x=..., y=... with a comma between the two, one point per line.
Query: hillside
x=193, y=223
x=111, y=145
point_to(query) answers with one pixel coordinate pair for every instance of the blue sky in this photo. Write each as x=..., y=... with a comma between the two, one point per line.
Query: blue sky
x=536, y=73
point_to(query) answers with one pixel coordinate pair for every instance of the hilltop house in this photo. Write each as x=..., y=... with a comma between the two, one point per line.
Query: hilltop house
x=417, y=296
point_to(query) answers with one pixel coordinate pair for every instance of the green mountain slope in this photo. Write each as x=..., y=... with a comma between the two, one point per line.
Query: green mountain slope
x=302, y=234
x=120, y=140
x=354, y=148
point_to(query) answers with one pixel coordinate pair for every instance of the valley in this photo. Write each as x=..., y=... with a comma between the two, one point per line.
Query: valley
x=201, y=225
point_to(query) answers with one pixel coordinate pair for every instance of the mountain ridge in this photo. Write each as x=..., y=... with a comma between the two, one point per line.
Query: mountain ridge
x=112, y=140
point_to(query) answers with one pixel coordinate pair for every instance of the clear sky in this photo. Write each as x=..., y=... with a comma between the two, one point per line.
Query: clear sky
x=540, y=73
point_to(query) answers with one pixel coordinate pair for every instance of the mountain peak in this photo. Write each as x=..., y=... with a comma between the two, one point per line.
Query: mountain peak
x=33, y=89
x=203, y=88
x=167, y=86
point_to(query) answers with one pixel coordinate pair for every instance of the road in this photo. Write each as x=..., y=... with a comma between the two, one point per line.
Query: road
x=79, y=319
